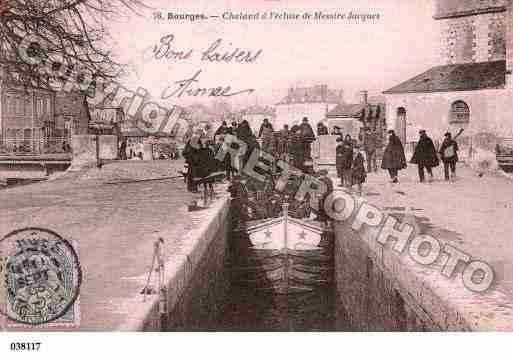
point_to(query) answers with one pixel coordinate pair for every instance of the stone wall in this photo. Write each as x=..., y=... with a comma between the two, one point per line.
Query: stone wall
x=195, y=277
x=476, y=38
x=369, y=296
x=84, y=149
x=490, y=112
x=379, y=288
x=509, y=45
x=200, y=304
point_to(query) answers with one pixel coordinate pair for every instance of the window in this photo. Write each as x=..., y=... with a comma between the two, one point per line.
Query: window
x=460, y=113
x=39, y=106
x=48, y=106
x=19, y=106
x=11, y=105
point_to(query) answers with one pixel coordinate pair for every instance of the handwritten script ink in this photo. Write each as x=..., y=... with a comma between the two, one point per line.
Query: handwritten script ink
x=216, y=52
x=164, y=50
x=187, y=88
x=237, y=55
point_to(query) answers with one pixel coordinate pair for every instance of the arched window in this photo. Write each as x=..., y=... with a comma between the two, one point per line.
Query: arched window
x=460, y=112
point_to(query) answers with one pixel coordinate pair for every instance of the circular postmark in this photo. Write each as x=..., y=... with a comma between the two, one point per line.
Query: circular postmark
x=41, y=275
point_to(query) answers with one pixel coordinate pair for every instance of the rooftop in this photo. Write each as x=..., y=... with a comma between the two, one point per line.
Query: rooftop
x=259, y=110
x=356, y=110
x=456, y=77
x=456, y=8
x=313, y=94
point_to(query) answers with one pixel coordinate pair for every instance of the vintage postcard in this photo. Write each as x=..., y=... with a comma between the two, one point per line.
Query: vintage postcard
x=263, y=165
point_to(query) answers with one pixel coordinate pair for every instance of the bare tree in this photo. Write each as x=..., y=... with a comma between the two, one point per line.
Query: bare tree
x=69, y=39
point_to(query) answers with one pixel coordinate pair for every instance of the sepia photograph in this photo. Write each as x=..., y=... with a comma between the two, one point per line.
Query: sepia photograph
x=250, y=167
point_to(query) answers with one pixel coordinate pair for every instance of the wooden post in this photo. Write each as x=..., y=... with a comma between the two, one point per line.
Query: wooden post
x=285, y=245
x=159, y=244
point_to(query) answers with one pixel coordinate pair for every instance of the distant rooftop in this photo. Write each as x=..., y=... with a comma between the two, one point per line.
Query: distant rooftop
x=456, y=77
x=259, y=110
x=457, y=8
x=313, y=94
x=356, y=110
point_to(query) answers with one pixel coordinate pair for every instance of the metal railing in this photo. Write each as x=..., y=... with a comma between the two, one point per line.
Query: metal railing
x=24, y=146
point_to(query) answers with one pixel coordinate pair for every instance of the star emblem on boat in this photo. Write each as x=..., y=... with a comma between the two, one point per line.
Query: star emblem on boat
x=302, y=235
x=268, y=234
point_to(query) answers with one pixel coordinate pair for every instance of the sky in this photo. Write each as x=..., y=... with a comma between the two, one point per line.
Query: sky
x=371, y=55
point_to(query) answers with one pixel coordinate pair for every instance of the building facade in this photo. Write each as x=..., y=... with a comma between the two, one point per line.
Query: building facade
x=471, y=86
x=38, y=120
x=311, y=102
x=72, y=114
x=353, y=118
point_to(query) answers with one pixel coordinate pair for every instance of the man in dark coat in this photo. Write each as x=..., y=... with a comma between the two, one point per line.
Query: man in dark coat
x=192, y=156
x=266, y=135
x=220, y=135
x=425, y=156
x=296, y=148
x=222, y=130
x=307, y=137
x=449, y=156
x=323, y=176
x=393, y=157
x=283, y=143
x=370, y=146
x=245, y=134
x=344, y=160
x=358, y=174
x=322, y=129
x=265, y=125
x=122, y=148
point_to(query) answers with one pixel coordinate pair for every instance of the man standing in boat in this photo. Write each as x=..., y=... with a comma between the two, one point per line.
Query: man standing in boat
x=307, y=136
x=266, y=135
x=296, y=148
x=283, y=143
x=322, y=216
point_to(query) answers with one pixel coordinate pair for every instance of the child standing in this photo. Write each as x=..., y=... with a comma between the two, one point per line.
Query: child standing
x=358, y=173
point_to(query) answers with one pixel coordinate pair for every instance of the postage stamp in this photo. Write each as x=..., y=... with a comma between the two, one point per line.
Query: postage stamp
x=41, y=278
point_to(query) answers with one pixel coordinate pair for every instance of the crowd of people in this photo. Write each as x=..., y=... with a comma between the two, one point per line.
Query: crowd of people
x=354, y=157
x=350, y=159
x=289, y=144
x=425, y=156
x=294, y=145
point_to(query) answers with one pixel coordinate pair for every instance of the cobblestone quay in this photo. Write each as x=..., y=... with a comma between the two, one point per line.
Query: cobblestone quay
x=382, y=290
x=115, y=226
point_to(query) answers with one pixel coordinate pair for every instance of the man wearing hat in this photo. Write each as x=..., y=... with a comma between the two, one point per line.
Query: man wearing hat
x=449, y=156
x=322, y=216
x=321, y=129
x=307, y=136
x=394, y=159
x=370, y=146
x=425, y=156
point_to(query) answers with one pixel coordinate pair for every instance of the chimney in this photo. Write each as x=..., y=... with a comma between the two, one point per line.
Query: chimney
x=364, y=97
x=509, y=45
x=324, y=93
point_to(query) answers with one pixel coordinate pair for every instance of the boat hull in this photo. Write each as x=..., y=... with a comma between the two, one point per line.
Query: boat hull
x=286, y=271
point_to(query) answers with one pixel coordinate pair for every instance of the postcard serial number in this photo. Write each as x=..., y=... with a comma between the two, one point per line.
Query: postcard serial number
x=25, y=346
